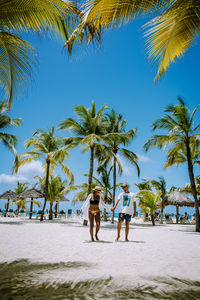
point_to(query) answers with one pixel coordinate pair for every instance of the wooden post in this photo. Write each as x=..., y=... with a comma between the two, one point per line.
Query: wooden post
x=177, y=213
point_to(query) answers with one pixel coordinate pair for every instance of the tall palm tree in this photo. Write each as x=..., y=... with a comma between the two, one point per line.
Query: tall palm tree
x=161, y=185
x=148, y=200
x=88, y=130
x=9, y=140
x=111, y=150
x=182, y=137
x=21, y=187
x=17, y=56
x=51, y=150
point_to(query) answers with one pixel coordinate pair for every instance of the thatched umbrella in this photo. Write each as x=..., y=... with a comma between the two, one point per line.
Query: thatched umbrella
x=31, y=193
x=178, y=198
x=8, y=195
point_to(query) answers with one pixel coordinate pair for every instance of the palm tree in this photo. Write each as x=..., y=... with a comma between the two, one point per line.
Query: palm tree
x=88, y=130
x=57, y=190
x=17, y=56
x=183, y=137
x=21, y=187
x=169, y=34
x=9, y=140
x=48, y=148
x=161, y=185
x=144, y=185
x=111, y=150
x=148, y=200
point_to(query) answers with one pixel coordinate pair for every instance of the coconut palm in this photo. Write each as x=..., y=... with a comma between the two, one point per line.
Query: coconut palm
x=51, y=150
x=21, y=187
x=161, y=185
x=169, y=34
x=182, y=138
x=88, y=130
x=144, y=185
x=111, y=151
x=57, y=190
x=9, y=140
x=148, y=200
x=17, y=56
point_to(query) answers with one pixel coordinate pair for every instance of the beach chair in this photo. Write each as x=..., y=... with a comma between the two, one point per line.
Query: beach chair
x=22, y=213
x=38, y=215
x=10, y=213
x=168, y=218
x=77, y=212
x=62, y=214
x=69, y=213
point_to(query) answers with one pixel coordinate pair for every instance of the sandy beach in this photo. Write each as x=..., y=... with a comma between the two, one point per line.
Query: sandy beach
x=56, y=260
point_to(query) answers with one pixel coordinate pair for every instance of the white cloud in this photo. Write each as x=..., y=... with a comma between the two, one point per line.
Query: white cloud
x=143, y=158
x=25, y=173
x=31, y=169
x=10, y=179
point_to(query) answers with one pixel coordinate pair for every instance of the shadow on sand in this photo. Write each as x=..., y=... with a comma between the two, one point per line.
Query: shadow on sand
x=22, y=280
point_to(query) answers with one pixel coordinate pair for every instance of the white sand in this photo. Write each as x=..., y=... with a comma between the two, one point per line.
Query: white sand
x=160, y=251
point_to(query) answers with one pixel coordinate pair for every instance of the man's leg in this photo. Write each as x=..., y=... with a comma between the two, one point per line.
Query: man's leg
x=119, y=225
x=91, y=219
x=97, y=219
x=127, y=231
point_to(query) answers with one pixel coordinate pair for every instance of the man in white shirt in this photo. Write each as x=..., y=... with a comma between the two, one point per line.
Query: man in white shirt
x=127, y=202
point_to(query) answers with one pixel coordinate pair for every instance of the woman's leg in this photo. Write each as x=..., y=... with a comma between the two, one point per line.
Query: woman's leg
x=97, y=219
x=91, y=219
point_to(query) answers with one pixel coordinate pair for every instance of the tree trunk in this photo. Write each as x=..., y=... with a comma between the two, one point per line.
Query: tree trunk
x=31, y=209
x=91, y=169
x=152, y=219
x=51, y=211
x=193, y=185
x=114, y=188
x=46, y=188
x=56, y=209
x=177, y=214
x=161, y=214
x=7, y=207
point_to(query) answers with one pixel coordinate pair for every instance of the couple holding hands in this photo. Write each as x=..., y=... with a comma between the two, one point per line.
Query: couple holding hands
x=91, y=210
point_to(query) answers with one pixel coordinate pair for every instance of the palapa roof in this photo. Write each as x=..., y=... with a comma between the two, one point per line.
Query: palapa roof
x=31, y=193
x=62, y=199
x=8, y=195
x=179, y=198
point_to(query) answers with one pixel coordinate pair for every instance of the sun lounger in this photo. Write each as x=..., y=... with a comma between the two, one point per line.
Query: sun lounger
x=22, y=213
x=69, y=213
x=61, y=214
x=168, y=219
x=10, y=213
x=38, y=215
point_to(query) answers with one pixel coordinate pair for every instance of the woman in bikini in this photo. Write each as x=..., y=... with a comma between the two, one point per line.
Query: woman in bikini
x=91, y=210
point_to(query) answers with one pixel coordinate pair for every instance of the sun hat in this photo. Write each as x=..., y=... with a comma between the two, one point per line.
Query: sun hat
x=124, y=185
x=98, y=188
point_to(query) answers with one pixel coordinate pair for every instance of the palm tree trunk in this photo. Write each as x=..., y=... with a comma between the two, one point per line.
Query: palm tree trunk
x=46, y=188
x=152, y=219
x=91, y=169
x=31, y=209
x=161, y=215
x=193, y=185
x=114, y=187
x=56, y=209
x=51, y=211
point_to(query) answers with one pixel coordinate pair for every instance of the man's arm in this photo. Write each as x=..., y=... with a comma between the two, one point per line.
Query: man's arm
x=134, y=214
x=113, y=209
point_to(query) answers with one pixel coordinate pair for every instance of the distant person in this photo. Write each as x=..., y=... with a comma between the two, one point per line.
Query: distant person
x=127, y=200
x=91, y=210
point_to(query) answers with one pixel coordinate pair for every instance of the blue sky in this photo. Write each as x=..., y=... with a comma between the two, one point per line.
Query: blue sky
x=118, y=75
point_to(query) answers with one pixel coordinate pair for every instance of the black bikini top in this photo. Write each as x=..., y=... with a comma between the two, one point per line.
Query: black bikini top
x=93, y=201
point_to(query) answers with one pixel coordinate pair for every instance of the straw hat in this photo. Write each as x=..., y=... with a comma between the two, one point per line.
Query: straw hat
x=98, y=188
x=124, y=185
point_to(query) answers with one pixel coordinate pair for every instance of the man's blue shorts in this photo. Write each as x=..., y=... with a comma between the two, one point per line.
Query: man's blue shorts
x=125, y=217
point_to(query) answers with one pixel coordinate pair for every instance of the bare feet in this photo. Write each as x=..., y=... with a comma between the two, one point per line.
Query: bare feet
x=96, y=237
x=126, y=240
x=117, y=239
x=92, y=239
